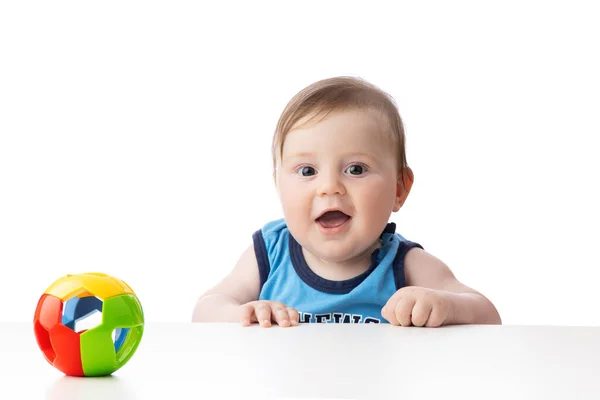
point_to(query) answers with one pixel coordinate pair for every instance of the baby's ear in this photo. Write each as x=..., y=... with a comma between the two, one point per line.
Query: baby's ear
x=403, y=187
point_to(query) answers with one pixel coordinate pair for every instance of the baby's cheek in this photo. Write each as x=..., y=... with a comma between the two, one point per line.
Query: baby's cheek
x=294, y=202
x=377, y=205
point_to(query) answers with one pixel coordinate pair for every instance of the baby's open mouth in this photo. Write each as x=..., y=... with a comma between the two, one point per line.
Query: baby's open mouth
x=332, y=219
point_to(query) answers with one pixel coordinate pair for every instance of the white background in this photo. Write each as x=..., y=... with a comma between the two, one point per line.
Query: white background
x=135, y=140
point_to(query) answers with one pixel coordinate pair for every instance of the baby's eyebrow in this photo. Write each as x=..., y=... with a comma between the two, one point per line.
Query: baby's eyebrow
x=298, y=155
x=347, y=155
x=371, y=158
x=361, y=154
x=301, y=155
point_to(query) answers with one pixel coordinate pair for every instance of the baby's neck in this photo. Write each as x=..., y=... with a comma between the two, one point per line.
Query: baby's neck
x=342, y=270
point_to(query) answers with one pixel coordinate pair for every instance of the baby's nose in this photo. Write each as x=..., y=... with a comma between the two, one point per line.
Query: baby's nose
x=331, y=184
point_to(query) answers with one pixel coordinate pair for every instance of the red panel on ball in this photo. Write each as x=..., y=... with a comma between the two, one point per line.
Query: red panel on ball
x=43, y=340
x=48, y=311
x=66, y=344
x=60, y=345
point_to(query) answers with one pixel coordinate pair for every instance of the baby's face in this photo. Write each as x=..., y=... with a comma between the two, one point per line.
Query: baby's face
x=347, y=164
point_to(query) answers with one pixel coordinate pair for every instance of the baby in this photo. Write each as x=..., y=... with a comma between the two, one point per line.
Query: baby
x=340, y=171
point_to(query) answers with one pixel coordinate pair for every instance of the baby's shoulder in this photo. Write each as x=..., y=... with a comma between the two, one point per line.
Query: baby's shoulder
x=272, y=230
x=274, y=227
x=271, y=235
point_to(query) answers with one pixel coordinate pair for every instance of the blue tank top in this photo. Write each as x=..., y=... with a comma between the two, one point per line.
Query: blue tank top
x=286, y=277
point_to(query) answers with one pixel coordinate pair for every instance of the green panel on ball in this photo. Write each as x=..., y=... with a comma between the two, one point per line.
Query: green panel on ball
x=97, y=347
x=98, y=352
x=132, y=341
x=123, y=311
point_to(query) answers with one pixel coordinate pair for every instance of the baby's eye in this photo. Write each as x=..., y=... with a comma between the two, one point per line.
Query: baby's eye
x=306, y=171
x=356, y=169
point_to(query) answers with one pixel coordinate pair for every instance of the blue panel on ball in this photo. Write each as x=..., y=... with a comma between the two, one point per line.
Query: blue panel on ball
x=78, y=308
x=68, y=318
x=120, y=335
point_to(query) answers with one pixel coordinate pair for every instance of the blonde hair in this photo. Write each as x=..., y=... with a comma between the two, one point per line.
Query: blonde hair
x=341, y=93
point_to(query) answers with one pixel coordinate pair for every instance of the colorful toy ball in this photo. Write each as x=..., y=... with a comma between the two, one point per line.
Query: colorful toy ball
x=94, y=351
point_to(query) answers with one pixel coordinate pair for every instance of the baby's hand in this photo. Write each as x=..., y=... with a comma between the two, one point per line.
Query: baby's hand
x=264, y=312
x=418, y=306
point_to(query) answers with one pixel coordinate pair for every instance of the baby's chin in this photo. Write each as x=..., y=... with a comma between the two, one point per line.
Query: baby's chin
x=336, y=252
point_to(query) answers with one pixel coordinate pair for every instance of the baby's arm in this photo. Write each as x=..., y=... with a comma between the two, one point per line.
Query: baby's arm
x=222, y=302
x=431, y=287
x=235, y=299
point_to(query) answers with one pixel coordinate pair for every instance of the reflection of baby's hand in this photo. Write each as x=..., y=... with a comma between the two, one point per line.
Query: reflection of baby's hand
x=418, y=306
x=264, y=312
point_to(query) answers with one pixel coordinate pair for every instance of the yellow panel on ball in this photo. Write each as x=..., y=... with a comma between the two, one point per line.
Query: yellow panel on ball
x=99, y=284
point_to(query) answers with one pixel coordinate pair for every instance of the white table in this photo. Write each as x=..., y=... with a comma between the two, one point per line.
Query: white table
x=324, y=361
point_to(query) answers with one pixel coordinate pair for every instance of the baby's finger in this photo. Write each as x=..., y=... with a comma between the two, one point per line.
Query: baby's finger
x=246, y=314
x=388, y=312
x=280, y=315
x=294, y=316
x=263, y=314
x=420, y=313
x=436, y=318
x=403, y=310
